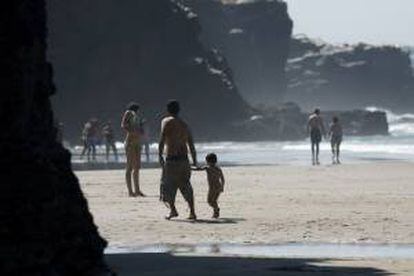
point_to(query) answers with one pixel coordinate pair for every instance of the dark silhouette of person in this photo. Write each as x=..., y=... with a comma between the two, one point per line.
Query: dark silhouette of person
x=109, y=136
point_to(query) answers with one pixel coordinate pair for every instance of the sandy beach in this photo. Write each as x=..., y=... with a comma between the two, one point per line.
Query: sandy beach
x=369, y=204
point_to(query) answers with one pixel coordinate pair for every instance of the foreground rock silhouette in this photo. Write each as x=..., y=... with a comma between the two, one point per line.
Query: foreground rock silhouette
x=45, y=225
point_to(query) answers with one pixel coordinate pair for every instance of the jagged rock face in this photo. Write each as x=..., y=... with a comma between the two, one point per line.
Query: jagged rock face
x=254, y=36
x=349, y=77
x=109, y=53
x=46, y=228
x=288, y=122
x=360, y=122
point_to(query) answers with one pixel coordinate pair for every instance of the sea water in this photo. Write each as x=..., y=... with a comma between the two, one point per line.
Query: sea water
x=288, y=250
x=399, y=145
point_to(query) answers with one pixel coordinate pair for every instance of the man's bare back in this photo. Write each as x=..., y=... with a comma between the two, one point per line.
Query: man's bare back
x=315, y=122
x=177, y=136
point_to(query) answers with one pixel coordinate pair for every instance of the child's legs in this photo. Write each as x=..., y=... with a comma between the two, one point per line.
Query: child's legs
x=212, y=198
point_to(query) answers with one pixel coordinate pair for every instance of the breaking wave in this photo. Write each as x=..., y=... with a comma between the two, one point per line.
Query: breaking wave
x=400, y=124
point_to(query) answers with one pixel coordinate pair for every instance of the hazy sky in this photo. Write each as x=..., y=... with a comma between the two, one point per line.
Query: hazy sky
x=337, y=21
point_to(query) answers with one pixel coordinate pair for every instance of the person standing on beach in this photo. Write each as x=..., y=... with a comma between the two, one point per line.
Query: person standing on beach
x=336, y=134
x=176, y=137
x=108, y=134
x=89, y=139
x=131, y=123
x=315, y=129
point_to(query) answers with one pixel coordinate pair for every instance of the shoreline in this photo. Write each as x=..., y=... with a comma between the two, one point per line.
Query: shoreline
x=114, y=166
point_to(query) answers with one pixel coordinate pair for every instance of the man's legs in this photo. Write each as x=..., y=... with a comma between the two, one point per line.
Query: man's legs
x=313, y=153
x=93, y=151
x=84, y=150
x=107, y=150
x=188, y=194
x=333, y=148
x=168, y=188
x=114, y=150
x=147, y=151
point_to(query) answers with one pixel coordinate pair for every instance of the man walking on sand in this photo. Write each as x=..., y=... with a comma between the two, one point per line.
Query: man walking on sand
x=315, y=129
x=176, y=137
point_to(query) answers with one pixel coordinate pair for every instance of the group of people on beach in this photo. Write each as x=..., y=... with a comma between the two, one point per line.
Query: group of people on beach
x=176, y=141
x=94, y=133
x=316, y=129
x=175, y=144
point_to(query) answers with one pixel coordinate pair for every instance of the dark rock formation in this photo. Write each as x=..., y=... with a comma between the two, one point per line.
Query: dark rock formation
x=360, y=122
x=45, y=225
x=107, y=53
x=254, y=36
x=349, y=76
x=288, y=122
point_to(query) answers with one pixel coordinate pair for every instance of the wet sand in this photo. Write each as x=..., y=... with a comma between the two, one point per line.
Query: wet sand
x=370, y=203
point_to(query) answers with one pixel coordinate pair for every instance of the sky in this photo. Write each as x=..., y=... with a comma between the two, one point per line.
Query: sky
x=353, y=21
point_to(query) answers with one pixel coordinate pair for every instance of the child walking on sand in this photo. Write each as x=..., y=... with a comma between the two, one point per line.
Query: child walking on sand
x=215, y=180
x=335, y=132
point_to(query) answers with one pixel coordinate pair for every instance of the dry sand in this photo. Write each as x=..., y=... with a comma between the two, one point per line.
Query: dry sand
x=370, y=203
x=271, y=204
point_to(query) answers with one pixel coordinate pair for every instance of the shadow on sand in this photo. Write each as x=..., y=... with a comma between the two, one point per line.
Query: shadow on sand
x=166, y=264
x=211, y=221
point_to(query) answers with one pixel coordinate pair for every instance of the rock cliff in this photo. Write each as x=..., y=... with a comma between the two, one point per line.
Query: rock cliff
x=288, y=122
x=46, y=228
x=349, y=76
x=254, y=36
x=108, y=53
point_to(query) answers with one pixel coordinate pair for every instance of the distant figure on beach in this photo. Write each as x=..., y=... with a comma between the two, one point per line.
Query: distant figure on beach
x=109, y=136
x=90, y=139
x=216, y=182
x=131, y=123
x=176, y=137
x=146, y=138
x=336, y=134
x=315, y=129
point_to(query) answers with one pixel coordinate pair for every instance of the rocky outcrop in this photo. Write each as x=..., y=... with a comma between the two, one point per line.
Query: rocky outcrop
x=360, y=122
x=349, y=76
x=45, y=225
x=254, y=36
x=108, y=53
x=288, y=122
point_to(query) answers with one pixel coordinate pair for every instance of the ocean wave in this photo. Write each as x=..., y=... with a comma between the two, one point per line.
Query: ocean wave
x=399, y=124
x=405, y=149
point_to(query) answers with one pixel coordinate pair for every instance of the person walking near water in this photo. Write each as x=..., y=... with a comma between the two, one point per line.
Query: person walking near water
x=315, y=129
x=336, y=134
x=89, y=139
x=131, y=123
x=176, y=137
x=108, y=134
